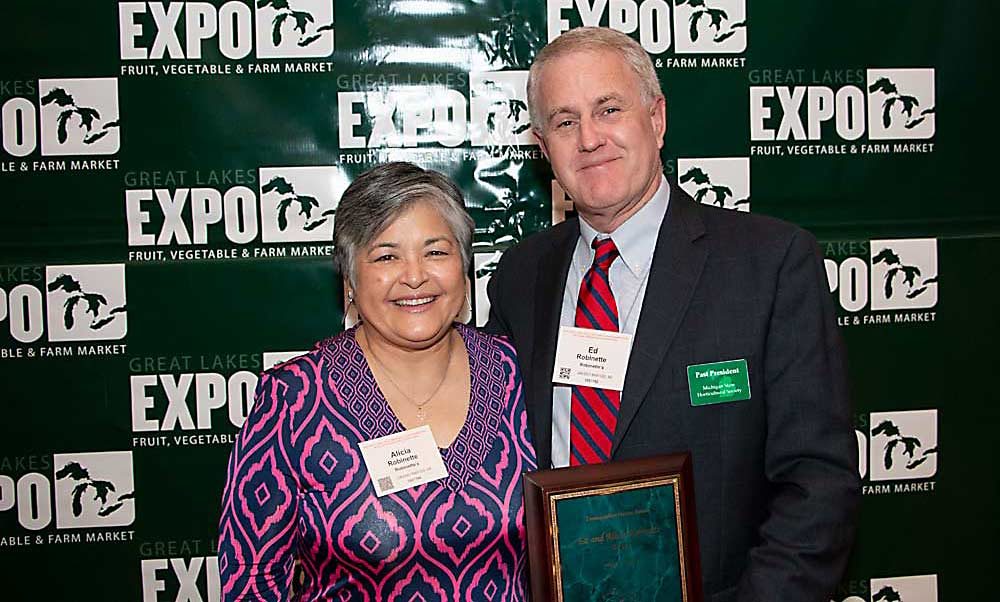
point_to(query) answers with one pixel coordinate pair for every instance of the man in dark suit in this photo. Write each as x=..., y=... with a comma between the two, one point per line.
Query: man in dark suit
x=775, y=469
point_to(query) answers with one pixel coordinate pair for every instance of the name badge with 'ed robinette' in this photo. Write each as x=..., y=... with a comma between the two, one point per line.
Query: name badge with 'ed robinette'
x=718, y=382
x=613, y=531
x=592, y=358
x=403, y=460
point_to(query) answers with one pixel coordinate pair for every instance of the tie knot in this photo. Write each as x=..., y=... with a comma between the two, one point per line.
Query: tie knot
x=605, y=252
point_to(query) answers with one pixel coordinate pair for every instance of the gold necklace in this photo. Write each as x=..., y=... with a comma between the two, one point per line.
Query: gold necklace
x=421, y=412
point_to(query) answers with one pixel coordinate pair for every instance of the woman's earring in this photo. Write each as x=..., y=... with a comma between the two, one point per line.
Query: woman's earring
x=465, y=316
x=351, y=316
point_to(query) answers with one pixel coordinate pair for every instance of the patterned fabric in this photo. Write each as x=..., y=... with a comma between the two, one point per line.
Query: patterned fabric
x=593, y=411
x=300, y=520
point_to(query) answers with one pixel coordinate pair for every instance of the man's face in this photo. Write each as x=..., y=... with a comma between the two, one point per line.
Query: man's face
x=603, y=142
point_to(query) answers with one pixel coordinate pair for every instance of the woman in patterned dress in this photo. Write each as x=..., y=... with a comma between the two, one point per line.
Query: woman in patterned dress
x=300, y=516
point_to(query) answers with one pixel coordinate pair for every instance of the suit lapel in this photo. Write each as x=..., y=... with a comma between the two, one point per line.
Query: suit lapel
x=552, y=270
x=676, y=268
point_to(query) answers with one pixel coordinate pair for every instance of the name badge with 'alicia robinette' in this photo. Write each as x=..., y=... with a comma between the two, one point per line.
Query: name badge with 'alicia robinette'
x=622, y=531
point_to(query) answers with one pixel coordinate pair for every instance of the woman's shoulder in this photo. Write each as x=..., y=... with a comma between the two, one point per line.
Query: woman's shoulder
x=492, y=357
x=311, y=363
x=481, y=341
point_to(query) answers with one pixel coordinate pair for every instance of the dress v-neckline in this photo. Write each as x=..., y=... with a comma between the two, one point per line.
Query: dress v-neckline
x=374, y=417
x=392, y=412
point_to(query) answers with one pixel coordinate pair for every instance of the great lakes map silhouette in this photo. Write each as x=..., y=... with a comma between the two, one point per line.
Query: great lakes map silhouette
x=895, y=438
x=303, y=19
x=75, y=471
x=95, y=302
x=910, y=274
x=89, y=117
x=305, y=202
x=705, y=186
x=718, y=19
x=514, y=107
x=907, y=102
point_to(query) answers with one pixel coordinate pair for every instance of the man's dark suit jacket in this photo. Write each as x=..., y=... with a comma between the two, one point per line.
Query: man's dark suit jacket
x=776, y=476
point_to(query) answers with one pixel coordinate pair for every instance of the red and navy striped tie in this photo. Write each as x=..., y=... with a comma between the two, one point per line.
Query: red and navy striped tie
x=594, y=412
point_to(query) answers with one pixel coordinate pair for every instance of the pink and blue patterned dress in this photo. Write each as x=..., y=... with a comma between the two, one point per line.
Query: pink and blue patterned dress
x=300, y=519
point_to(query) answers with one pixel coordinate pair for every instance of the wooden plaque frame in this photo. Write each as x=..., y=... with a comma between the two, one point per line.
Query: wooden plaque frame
x=544, y=489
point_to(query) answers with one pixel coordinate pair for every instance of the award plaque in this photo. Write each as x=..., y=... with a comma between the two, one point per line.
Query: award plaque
x=617, y=532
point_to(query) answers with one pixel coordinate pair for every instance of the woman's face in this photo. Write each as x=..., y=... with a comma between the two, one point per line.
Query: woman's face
x=410, y=283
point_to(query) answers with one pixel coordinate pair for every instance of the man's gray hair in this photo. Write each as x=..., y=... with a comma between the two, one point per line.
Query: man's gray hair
x=592, y=39
x=380, y=195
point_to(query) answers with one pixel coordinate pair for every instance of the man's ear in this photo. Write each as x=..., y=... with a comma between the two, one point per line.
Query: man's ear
x=658, y=117
x=540, y=139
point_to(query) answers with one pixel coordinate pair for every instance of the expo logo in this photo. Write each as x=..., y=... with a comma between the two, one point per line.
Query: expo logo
x=296, y=204
x=898, y=104
x=80, y=303
x=211, y=392
x=78, y=117
x=901, y=274
x=278, y=28
x=697, y=26
x=409, y=116
x=91, y=490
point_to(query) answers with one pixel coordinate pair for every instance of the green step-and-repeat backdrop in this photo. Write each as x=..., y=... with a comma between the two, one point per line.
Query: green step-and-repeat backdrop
x=171, y=173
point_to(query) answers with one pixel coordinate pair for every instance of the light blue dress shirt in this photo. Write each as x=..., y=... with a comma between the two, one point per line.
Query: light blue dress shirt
x=629, y=274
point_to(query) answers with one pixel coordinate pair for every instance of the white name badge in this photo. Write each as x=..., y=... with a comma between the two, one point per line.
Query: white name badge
x=403, y=460
x=592, y=358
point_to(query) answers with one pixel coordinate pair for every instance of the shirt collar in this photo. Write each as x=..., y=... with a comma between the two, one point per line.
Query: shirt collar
x=636, y=238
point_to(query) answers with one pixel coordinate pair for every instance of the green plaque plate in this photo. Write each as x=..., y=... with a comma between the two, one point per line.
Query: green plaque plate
x=621, y=532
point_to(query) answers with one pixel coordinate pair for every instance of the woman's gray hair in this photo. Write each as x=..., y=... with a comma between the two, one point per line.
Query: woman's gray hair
x=383, y=193
x=592, y=39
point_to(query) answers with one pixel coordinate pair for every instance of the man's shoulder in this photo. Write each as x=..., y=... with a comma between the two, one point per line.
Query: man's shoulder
x=749, y=231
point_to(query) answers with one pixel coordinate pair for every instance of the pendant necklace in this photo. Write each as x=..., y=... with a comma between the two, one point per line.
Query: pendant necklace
x=421, y=411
